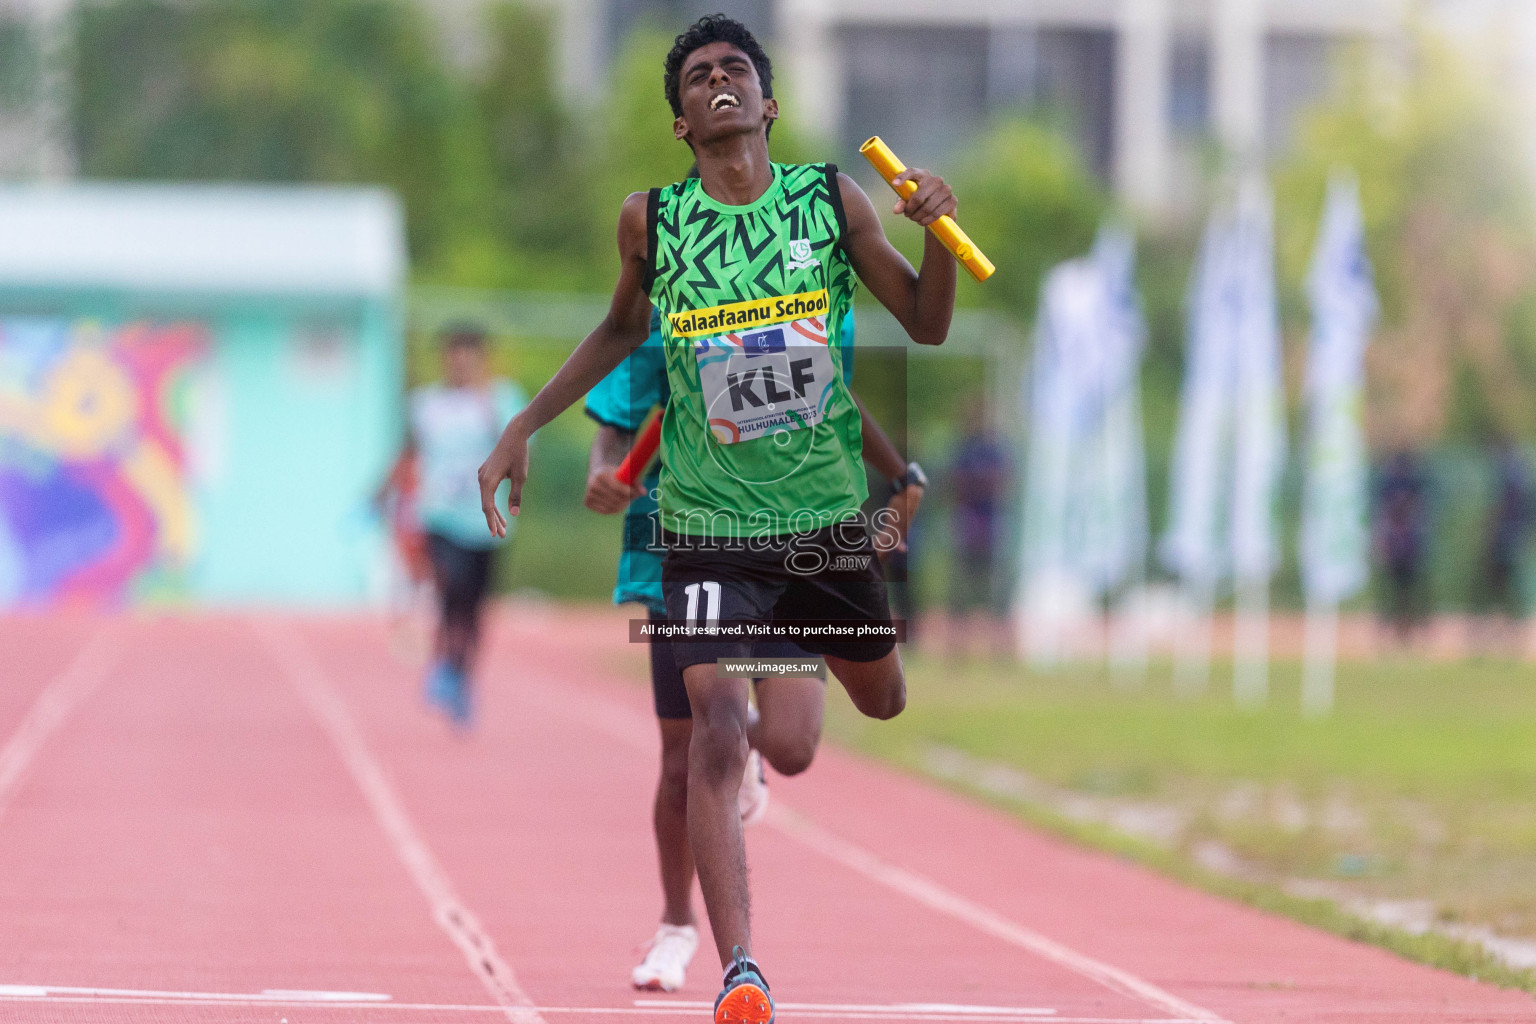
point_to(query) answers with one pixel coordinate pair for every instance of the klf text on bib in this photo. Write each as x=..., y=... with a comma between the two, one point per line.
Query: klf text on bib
x=764, y=365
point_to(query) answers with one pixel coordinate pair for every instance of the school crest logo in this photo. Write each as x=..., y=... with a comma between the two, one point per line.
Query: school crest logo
x=800, y=257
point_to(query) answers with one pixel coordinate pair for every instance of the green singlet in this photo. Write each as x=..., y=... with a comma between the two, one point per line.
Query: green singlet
x=761, y=435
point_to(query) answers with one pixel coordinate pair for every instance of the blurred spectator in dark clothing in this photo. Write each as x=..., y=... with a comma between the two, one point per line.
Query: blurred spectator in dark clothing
x=1500, y=598
x=1402, y=534
x=980, y=479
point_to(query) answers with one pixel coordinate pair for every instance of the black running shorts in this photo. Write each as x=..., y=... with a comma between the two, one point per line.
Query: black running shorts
x=462, y=575
x=828, y=576
x=667, y=689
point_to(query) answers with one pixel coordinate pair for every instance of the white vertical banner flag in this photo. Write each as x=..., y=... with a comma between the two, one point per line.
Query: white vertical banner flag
x=1230, y=447
x=1334, y=528
x=1259, y=436
x=1048, y=403
x=1192, y=546
x=1116, y=551
x=1053, y=599
x=1112, y=524
x=1084, y=521
x=1258, y=394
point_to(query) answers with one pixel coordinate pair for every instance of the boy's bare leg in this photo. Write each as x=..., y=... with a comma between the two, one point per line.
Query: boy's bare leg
x=716, y=757
x=787, y=728
x=877, y=688
x=671, y=822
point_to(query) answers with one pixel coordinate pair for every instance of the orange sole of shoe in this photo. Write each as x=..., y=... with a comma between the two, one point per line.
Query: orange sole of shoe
x=744, y=1004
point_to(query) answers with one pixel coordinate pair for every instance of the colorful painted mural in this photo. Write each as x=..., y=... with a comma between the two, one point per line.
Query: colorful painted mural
x=94, y=503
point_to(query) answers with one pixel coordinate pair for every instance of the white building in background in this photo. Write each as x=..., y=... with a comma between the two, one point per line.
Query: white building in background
x=1146, y=85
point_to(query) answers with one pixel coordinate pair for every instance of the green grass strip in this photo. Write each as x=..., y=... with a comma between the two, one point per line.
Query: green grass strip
x=1433, y=949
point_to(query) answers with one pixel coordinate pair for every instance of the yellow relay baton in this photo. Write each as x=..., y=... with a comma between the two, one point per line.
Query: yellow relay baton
x=956, y=241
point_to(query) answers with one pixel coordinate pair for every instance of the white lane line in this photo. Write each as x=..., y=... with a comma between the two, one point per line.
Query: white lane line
x=594, y=1011
x=919, y=1008
x=57, y=701
x=288, y=995
x=934, y=896
x=304, y=672
x=984, y=1018
x=620, y=722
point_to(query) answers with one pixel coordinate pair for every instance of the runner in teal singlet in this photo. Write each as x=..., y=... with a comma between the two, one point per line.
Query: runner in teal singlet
x=770, y=452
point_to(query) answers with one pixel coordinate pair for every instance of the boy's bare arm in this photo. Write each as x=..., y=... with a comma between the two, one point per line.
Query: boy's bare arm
x=879, y=450
x=892, y=522
x=922, y=301
x=605, y=494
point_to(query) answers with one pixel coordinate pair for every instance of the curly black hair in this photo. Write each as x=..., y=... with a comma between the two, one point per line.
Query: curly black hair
x=714, y=28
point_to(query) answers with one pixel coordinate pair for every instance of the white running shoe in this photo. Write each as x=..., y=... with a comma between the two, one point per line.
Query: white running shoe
x=667, y=960
x=752, y=797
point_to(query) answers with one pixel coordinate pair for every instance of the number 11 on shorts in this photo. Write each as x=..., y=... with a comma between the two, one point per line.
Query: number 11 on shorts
x=711, y=607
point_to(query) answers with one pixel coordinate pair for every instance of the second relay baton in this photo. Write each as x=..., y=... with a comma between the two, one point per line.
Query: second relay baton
x=945, y=228
x=639, y=455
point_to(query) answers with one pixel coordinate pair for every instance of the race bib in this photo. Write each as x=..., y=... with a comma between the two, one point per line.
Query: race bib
x=766, y=382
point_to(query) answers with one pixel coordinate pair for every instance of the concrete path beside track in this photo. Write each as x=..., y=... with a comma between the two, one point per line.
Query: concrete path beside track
x=251, y=818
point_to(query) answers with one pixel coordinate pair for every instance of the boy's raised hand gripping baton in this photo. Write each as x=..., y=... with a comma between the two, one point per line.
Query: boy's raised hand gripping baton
x=948, y=232
x=639, y=455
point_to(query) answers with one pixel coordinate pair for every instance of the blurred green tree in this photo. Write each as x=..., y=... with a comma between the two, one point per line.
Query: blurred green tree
x=1029, y=201
x=1447, y=195
x=537, y=231
x=504, y=187
x=632, y=145
x=283, y=90
x=18, y=62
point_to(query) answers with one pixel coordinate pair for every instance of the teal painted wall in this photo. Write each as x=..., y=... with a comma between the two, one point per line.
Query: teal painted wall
x=296, y=418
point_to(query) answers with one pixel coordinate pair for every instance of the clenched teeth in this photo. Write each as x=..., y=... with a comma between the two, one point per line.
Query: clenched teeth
x=725, y=99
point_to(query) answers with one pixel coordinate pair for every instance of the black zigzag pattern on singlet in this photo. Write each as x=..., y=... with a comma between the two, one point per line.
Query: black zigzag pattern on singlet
x=703, y=216
x=678, y=272
x=698, y=264
x=816, y=219
x=710, y=231
x=762, y=278
x=805, y=181
x=743, y=239
x=677, y=266
x=796, y=223
x=667, y=238
x=674, y=269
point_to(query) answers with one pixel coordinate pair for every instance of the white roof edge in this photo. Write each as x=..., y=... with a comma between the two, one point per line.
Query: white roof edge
x=231, y=239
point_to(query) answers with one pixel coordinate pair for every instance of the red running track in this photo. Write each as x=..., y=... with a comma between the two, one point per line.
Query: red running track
x=251, y=819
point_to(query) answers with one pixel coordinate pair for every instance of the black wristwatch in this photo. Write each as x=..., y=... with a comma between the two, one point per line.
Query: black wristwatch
x=913, y=475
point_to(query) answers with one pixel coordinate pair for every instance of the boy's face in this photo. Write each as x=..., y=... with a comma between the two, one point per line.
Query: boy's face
x=463, y=365
x=721, y=95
